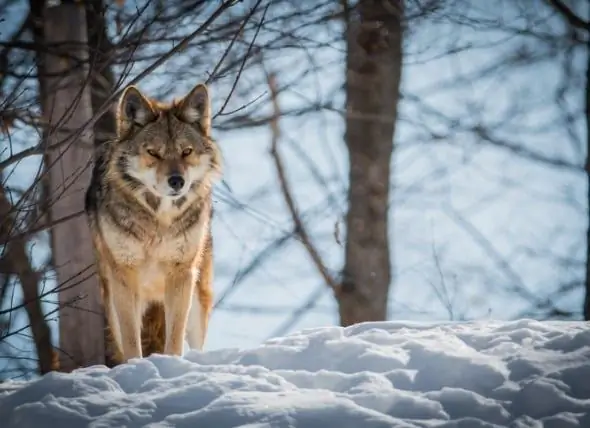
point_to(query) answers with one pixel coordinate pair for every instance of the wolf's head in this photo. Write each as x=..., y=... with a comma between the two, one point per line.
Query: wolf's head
x=165, y=148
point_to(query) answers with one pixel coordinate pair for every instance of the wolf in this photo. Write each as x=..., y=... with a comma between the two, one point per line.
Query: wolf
x=149, y=209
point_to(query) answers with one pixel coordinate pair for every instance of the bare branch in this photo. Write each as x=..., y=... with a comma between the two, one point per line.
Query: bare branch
x=286, y=190
x=569, y=14
x=17, y=259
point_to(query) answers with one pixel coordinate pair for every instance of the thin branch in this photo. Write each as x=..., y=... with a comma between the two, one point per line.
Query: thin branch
x=569, y=14
x=20, y=265
x=246, y=56
x=286, y=190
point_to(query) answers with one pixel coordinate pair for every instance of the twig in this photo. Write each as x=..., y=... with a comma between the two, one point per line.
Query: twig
x=246, y=56
x=569, y=14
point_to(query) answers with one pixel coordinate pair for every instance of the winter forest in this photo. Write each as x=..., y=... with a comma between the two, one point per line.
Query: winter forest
x=391, y=160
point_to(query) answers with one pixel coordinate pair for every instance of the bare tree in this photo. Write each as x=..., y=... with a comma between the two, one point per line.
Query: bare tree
x=374, y=35
x=373, y=74
x=67, y=107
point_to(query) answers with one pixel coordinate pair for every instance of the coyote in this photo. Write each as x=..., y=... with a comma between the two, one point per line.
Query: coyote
x=149, y=209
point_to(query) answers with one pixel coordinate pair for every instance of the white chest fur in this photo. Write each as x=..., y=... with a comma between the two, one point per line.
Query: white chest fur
x=151, y=257
x=162, y=246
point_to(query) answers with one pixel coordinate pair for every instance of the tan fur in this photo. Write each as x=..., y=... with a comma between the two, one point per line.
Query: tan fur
x=152, y=239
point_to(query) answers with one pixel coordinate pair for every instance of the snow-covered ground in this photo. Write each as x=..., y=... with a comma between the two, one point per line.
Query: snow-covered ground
x=478, y=374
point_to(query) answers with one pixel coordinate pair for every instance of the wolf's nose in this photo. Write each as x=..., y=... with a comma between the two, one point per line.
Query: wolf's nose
x=176, y=182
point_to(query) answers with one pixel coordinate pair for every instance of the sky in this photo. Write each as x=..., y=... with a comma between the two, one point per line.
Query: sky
x=525, y=212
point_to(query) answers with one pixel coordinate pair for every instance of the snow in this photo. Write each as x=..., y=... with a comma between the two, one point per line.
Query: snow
x=521, y=374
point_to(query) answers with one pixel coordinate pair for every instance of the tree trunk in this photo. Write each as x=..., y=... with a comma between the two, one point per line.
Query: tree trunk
x=103, y=78
x=67, y=106
x=373, y=73
x=101, y=86
x=587, y=169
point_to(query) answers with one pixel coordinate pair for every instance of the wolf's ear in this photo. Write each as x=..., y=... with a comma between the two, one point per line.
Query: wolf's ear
x=134, y=109
x=196, y=107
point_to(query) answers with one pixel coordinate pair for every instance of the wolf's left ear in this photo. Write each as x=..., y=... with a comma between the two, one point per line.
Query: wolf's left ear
x=134, y=109
x=196, y=107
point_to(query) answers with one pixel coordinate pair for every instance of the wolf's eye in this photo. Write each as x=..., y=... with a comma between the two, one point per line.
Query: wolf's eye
x=153, y=154
x=186, y=152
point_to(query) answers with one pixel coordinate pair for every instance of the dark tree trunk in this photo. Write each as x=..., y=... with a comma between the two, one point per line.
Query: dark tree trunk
x=373, y=64
x=101, y=54
x=102, y=84
x=587, y=169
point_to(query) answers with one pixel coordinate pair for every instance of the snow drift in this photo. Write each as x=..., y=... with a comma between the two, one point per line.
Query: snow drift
x=477, y=374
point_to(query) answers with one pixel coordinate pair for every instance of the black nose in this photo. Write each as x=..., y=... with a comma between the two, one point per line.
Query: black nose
x=176, y=182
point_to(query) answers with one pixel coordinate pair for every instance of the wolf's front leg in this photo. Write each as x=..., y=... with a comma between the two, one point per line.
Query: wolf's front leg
x=126, y=309
x=195, y=329
x=177, y=302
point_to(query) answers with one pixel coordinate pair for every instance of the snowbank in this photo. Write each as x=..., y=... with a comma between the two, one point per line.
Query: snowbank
x=482, y=374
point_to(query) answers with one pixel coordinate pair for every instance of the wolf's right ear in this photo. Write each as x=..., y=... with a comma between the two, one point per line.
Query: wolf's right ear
x=134, y=109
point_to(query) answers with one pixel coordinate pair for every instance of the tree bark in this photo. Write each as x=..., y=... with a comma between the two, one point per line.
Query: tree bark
x=587, y=169
x=102, y=84
x=373, y=73
x=66, y=107
x=578, y=23
x=103, y=78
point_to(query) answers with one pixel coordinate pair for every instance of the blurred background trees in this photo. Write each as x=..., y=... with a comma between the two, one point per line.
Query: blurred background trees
x=417, y=159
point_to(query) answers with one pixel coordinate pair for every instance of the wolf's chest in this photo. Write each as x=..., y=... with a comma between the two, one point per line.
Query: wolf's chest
x=130, y=250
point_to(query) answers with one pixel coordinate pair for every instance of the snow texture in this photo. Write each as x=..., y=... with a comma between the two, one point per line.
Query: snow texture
x=521, y=374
